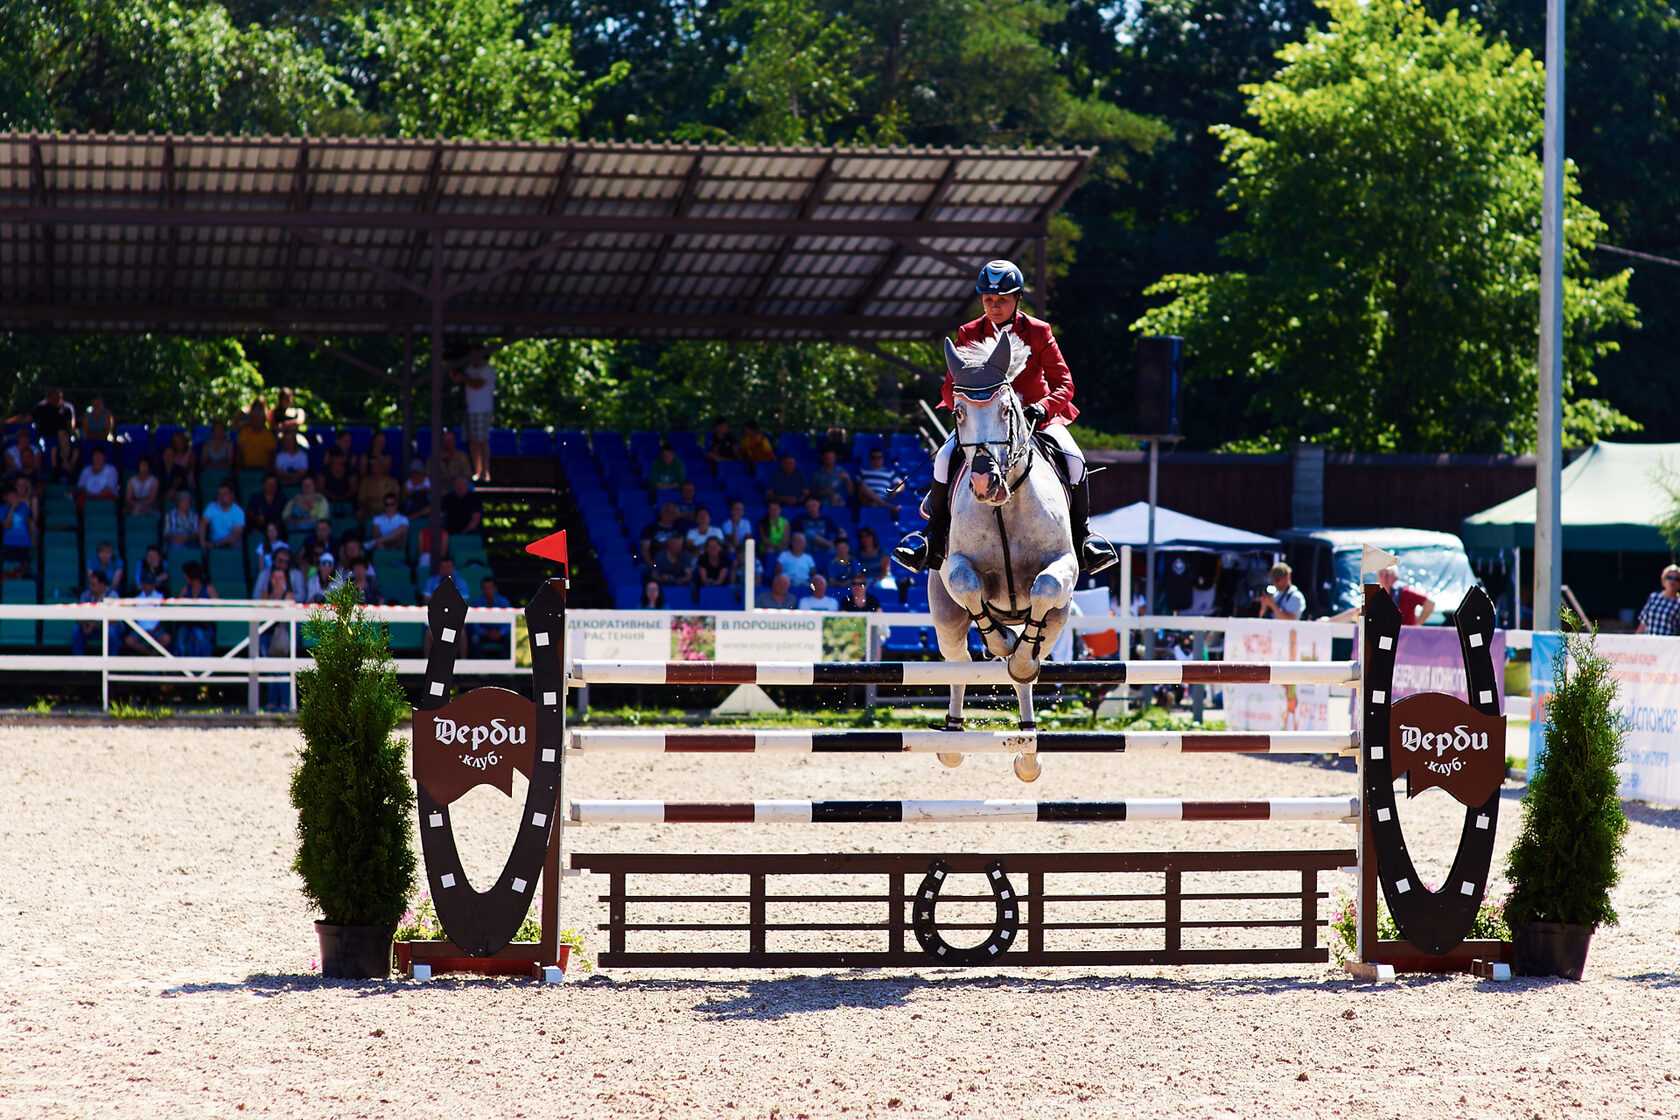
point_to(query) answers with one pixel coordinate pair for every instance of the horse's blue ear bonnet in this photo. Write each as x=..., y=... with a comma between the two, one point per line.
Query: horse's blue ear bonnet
x=983, y=378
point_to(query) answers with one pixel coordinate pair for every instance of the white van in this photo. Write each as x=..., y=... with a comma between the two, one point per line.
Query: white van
x=1326, y=566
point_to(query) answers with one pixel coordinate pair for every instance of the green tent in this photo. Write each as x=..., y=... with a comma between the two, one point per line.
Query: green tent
x=1611, y=503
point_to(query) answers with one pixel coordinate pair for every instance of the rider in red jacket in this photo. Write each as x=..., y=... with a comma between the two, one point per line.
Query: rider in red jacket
x=1045, y=387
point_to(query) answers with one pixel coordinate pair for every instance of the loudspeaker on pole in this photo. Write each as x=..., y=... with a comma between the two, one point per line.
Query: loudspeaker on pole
x=1160, y=369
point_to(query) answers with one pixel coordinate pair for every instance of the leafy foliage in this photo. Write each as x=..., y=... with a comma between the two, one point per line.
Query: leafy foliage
x=143, y=377
x=1563, y=864
x=351, y=788
x=1390, y=199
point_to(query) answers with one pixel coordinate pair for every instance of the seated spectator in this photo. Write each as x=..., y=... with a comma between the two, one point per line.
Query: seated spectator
x=860, y=599
x=173, y=475
x=107, y=563
x=159, y=633
x=702, y=532
x=773, y=529
x=686, y=503
x=671, y=564
x=653, y=596
x=786, y=484
x=217, y=453
x=376, y=485
x=304, y=509
x=21, y=457
x=451, y=460
x=270, y=552
x=668, y=472
x=754, y=447
x=90, y=631
x=390, y=528
x=291, y=462
x=301, y=570
x=819, y=599
x=256, y=443
x=338, y=482
x=830, y=483
x=266, y=506
x=777, y=597
x=714, y=568
x=223, y=522
x=795, y=563
x=720, y=448
x=445, y=571
x=416, y=489
x=843, y=566
x=180, y=525
x=463, y=509
x=366, y=585
x=488, y=639
x=737, y=529
x=64, y=458
x=657, y=532
x=17, y=533
x=99, y=425
x=98, y=481
x=322, y=579
x=50, y=414
x=869, y=552
x=348, y=550
x=819, y=528
x=195, y=639
x=886, y=584
x=275, y=586
x=377, y=452
x=875, y=482
x=140, y=495
x=285, y=417
x=323, y=539
x=153, y=564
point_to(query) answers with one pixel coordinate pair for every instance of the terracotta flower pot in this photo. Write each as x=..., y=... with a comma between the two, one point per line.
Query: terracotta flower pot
x=355, y=952
x=1550, y=949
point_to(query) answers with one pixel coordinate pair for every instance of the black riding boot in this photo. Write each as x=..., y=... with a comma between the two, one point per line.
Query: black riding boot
x=929, y=552
x=1095, y=553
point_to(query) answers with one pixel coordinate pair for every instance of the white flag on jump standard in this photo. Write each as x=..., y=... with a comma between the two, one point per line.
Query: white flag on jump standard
x=1274, y=707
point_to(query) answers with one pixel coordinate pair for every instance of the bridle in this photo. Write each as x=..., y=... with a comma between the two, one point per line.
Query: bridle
x=1017, y=449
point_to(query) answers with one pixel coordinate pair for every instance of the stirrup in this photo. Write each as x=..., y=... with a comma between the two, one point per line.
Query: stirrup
x=1096, y=555
x=912, y=556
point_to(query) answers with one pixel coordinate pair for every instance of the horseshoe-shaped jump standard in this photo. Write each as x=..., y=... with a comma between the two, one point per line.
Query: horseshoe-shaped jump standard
x=1003, y=932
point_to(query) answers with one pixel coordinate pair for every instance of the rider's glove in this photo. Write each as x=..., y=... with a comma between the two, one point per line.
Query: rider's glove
x=1036, y=414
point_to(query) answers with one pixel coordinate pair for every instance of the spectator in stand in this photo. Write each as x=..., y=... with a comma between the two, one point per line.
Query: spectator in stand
x=479, y=380
x=21, y=457
x=132, y=641
x=107, y=563
x=488, y=639
x=687, y=503
x=830, y=483
x=416, y=489
x=304, y=509
x=390, y=528
x=777, y=597
x=714, y=568
x=173, y=475
x=653, y=596
x=348, y=550
x=1661, y=612
x=323, y=540
x=64, y=458
x=223, y=523
x=275, y=586
x=886, y=583
x=285, y=416
x=671, y=565
x=754, y=447
x=376, y=485
x=737, y=528
x=875, y=482
x=361, y=574
x=655, y=533
x=377, y=452
x=99, y=426
x=257, y=445
x=445, y=571
x=463, y=510
x=795, y=563
x=773, y=529
x=17, y=533
x=266, y=506
x=786, y=484
x=301, y=572
x=869, y=551
x=451, y=460
x=702, y=532
x=843, y=566
x=50, y=415
x=154, y=565
x=721, y=447
x=98, y=481
x=668, y=472
x=338, y=483
x=89, y=632
x=819, y=599
x=271, y=545
x=1415, y=606
x=819, y=528
x=195, y=639
x=1282, y=600
x=218, y=452
x=860, y=599
x=140, y=495
x=323, y=579
x=180, y=525
x=291, y=462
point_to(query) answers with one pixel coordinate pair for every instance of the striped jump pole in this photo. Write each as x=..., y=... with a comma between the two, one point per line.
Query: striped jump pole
x=802, y=741
x=860, y=812
x=937, y=673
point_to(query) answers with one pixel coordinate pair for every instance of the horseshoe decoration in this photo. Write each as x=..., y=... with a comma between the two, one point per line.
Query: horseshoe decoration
x=482, y=923
x=1434, y=739
x=1003, y=932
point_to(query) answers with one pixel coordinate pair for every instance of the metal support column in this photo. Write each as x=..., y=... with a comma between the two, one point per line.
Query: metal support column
x=1548, y=485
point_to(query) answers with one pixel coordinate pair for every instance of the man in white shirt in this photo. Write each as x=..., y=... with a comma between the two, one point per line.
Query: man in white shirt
x=819, y=599
x=480, y=381
x=391, y=526
x=291, y=463
x=98, y=480
x=795, y=563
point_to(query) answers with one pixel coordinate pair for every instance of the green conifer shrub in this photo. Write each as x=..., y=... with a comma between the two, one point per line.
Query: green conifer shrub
x=351, y=788
x=1563, y=864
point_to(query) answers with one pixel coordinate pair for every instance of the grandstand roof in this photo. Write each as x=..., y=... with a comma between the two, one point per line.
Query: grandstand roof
x=234, y=234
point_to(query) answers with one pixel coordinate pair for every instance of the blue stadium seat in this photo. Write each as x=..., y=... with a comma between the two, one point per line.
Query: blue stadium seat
x=536, y=442
x=862, y=442
x=360, y=436
x=720, y=598
x=687, y=444
x=679, y=598
x=878, y=518
x=644, y=446
x=503, y=442
x=903, y=641
x=627, y=597
x=796, y=444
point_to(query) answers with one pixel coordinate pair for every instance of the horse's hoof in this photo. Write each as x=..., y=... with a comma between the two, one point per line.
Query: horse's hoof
x=1028, y=725
x=951, y=758
x=1028, y=767
x=950, y=724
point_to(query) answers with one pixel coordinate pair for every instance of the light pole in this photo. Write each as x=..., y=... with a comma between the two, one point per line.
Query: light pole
x=1548, y=486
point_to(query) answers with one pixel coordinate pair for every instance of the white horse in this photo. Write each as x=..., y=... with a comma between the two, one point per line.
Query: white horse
x=1011, y=560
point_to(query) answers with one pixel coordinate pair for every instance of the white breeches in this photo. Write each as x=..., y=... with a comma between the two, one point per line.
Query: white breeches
x=1071, y=455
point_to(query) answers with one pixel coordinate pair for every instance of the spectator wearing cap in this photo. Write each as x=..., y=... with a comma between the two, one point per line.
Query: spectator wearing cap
x=323, y=579
x=1661, y=612
x=153, y=627
x=819, y=599
x=223, y=522
x=786, y=483
x=859, y=599
x=668, y=472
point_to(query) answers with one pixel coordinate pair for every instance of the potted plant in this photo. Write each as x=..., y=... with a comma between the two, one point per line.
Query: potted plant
x=1563, y=864
x=351, y=789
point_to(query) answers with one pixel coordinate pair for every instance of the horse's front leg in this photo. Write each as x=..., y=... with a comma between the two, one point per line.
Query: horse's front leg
x=1027, y=766
x=1047, y=614
x=950, y=629
x=968, y=590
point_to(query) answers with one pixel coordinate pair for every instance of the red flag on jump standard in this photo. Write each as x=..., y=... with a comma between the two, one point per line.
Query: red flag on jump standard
x=551, y=547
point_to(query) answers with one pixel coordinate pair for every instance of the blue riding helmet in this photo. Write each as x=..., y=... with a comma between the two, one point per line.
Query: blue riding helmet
x=1000, y=278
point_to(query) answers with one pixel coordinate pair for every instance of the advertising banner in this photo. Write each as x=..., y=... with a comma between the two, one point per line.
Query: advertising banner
x=1648, y=672
x=716, y=636
x=1273, y=707
x=1428, y=659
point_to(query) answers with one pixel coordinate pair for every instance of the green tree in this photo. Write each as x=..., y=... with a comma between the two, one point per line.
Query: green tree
x=797, y=75
x=145, y=378
x=1390, y=205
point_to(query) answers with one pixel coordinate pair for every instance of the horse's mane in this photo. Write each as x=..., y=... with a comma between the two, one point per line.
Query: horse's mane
x=974, y=353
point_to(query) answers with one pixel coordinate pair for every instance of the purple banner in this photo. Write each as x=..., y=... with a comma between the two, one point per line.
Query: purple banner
x=1429, y=660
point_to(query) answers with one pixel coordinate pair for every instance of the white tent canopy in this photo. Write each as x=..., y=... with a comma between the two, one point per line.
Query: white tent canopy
x=1130, y=525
